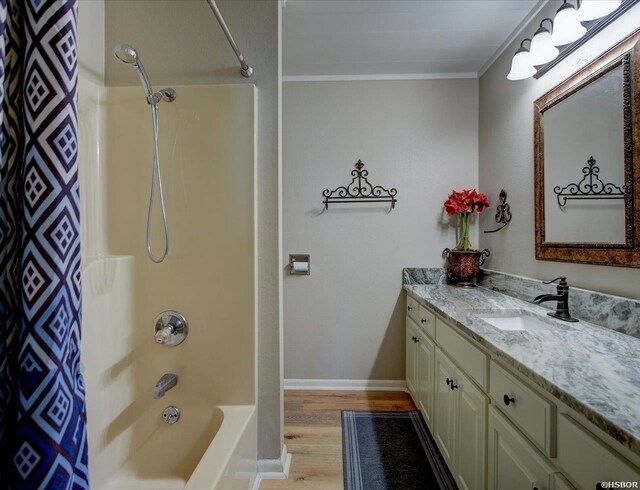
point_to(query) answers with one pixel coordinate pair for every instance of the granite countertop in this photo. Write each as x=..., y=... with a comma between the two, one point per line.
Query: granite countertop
x=592, y=369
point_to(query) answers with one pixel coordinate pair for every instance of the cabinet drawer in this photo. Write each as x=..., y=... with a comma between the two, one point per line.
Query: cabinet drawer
x=587, y=460
x=427, y=321
x=412, y=308
x=466, y=355
x=531, y=412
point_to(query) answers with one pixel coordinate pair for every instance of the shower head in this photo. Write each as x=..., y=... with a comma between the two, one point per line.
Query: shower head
x=126, y=54
x=129, y=56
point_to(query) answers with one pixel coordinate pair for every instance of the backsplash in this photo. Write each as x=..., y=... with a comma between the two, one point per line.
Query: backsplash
x=434, y=275
x=614, y=312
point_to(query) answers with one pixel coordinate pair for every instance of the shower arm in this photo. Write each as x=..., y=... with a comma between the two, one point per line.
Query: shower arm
x=246, y=70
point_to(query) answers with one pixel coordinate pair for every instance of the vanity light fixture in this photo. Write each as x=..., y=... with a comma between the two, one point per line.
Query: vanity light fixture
x=521, y=65
x=566, y=25
x=594, y=9
x=552, y=43
x=542, y=49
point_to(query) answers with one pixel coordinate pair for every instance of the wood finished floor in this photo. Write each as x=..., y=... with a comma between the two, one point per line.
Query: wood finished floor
x=313, y=434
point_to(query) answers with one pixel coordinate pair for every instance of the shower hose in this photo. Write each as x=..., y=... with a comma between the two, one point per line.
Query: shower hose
x=156, y=176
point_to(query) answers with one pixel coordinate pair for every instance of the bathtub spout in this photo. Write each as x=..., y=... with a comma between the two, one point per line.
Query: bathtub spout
x=168, y=381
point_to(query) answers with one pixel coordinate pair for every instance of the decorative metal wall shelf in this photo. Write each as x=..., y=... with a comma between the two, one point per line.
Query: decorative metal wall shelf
x=359, y=190
x=590, y=187
x=503, y=212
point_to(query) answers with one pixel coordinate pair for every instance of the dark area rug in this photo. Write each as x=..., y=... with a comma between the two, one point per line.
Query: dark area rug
x=391, y=451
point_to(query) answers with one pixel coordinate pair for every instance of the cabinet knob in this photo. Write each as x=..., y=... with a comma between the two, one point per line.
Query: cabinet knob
x=508, y=401
x=423, y=320
x=409, y=308
x=449, y=381
x=453, y=387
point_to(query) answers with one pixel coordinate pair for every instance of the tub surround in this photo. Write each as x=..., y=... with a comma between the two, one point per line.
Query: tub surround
x=575, y=362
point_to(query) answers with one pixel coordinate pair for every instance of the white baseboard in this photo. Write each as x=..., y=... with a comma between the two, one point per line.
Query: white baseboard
x=273, y=469
x=345, y=384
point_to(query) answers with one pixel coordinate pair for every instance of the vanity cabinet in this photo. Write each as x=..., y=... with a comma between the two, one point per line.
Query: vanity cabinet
x=494, y=429
x=586, y=460
x=513, y=461
x=420, y=358
x=411, y=356
x=426, y=351
x=459, y=425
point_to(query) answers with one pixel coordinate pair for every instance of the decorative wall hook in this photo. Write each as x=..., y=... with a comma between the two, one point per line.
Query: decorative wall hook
x=503, y=212
x=359, y=190
x=590, y=187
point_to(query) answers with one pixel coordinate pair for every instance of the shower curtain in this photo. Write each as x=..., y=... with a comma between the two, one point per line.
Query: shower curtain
x=43, y=441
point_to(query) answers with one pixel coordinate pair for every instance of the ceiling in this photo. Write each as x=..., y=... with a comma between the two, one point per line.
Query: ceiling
x=342, y=38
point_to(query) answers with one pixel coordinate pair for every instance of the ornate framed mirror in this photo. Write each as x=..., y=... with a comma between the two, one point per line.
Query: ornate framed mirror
x=587, y=162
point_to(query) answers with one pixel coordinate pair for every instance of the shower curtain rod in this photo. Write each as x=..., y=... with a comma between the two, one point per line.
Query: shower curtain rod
x=246, y=70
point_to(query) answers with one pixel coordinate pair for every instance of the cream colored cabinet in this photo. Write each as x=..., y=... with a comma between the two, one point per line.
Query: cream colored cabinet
x=460, y=416
x=513, y=461
x=444, y=423
x=587, y=460
x=532, y=413
x=561, y=483
x=411, y=356
x=471, y=430
x=425, y=357
x=524, y=440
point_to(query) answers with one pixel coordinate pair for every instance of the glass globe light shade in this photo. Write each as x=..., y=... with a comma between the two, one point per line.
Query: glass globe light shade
x=542, y=49
x=566, y=26
x=521, y=65
x=594, y=9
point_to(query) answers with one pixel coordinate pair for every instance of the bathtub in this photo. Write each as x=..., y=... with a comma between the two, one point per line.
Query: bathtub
x=207, y=449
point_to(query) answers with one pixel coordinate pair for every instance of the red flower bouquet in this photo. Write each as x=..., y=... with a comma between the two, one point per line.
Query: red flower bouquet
x=464, y=203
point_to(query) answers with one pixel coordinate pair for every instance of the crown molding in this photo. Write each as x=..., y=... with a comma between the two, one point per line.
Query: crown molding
x=384, y=76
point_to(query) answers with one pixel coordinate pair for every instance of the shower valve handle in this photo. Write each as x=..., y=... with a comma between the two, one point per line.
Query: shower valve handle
x=170, y=328
x=164, y=335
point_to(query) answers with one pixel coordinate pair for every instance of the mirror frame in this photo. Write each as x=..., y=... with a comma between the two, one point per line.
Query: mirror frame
x=626, y=54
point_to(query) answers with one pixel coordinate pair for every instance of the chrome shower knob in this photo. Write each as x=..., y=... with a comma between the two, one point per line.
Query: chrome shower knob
x=170, y=328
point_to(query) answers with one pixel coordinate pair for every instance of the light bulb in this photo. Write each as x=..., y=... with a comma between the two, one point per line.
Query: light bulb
x=566, y=26
x=521, y=65
x=542, y=49
x=594, y=9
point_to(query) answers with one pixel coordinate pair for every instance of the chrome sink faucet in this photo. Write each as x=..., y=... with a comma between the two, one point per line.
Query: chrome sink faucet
x=562, y=297
x=164, y=384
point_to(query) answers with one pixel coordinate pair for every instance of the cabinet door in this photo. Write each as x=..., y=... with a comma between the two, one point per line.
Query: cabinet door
x=471, y=429
x=424, y=379
x=513, y=461
x=561, y=483
x=445, y=407
x=410, y=348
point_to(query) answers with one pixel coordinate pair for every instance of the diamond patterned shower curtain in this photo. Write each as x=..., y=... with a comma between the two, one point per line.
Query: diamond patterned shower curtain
x=43, y=441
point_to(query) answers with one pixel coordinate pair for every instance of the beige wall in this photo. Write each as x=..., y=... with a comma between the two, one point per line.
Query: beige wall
x=180, y=42
x=207, y=158
x=506, y=161
x=346, y=320
x=91, y=35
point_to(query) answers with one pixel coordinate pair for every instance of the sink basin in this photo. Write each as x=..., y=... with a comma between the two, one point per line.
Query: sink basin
x=514, y=323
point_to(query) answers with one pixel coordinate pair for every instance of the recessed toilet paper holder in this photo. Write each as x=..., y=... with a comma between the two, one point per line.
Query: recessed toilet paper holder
x=299, y=264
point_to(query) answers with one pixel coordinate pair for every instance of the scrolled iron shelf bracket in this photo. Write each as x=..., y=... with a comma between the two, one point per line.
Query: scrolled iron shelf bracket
x=359, y=190
x=590, y=187
x=503, y=212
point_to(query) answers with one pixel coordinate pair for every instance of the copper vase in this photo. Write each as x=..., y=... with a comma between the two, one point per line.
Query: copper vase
x=464, y=265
